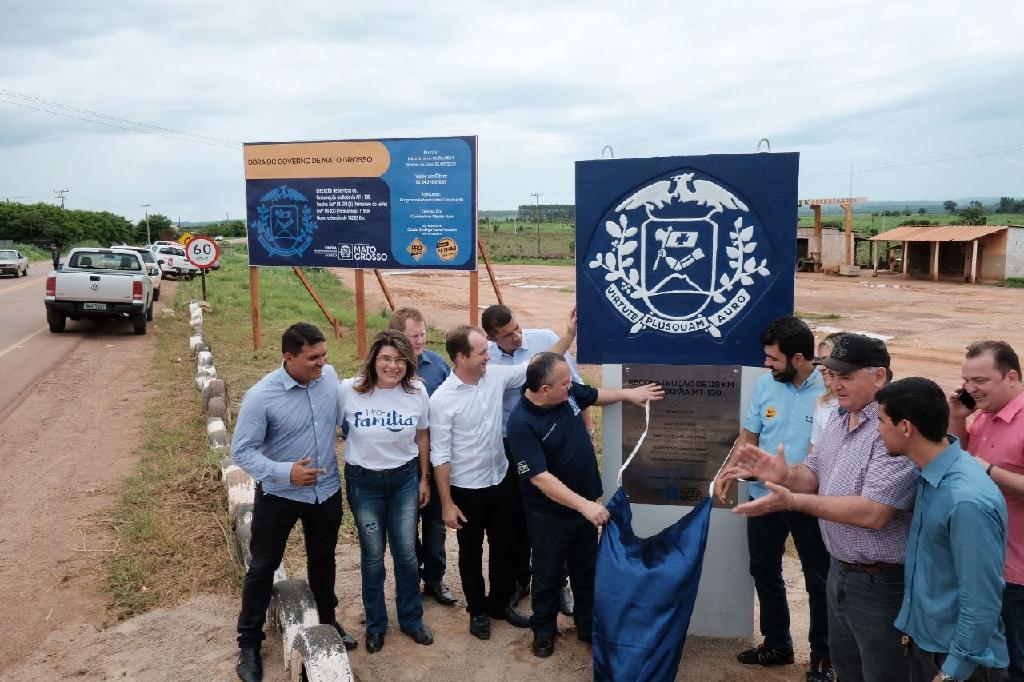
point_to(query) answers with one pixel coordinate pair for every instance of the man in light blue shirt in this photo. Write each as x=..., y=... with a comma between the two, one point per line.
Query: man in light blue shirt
x=285, y=438
x=781, y=414
x=509, y=344
x=957, y=544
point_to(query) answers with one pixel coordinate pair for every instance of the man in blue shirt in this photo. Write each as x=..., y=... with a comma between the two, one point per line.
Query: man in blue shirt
x=781, y=414
x=509, y=344
x=285, y=438
x=432, y=368
x=560, y=484
x=957, y=544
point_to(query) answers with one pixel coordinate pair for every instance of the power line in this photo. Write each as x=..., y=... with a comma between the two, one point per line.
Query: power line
x=77, y=113
x=921, y=161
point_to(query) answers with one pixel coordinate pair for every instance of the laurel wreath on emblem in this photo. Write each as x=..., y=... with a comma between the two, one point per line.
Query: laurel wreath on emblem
x=263, y=225
x=619, y=262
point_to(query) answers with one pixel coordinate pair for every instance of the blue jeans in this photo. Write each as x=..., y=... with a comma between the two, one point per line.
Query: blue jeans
x=385, y=505
x=864, y=645
x=1013, y=621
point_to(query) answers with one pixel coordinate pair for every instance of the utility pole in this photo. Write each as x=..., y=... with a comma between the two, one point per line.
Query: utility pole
x=149, y=237
x=536, y=195
x=59, y=194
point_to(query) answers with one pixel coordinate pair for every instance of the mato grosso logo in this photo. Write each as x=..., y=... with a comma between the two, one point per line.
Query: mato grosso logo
x=284, y=222
x=680, y=255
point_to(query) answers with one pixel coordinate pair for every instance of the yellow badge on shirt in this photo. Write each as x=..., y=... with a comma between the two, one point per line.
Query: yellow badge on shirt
x=770, y=413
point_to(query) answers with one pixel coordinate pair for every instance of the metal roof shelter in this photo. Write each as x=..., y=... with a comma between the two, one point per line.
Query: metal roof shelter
x=996, y=236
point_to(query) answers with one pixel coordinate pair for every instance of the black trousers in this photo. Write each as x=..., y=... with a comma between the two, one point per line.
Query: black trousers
x=766, y=541
x=488, y=510
x=521, y=551
x=273, y=518
x=559, y=539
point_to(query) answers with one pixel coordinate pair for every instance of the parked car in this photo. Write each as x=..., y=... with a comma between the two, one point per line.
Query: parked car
x=219, y=238
x=162, y=242
x=100, y=284
x=152, y=267
x=13, y=263
x=174, y=262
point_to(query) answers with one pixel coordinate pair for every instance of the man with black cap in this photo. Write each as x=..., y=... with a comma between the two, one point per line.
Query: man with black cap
x=863, y=499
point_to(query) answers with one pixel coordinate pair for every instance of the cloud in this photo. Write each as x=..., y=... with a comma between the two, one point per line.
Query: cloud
x=542, y=84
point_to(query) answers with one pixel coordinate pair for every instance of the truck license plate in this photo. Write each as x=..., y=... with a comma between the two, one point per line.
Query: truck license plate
x=94, y=306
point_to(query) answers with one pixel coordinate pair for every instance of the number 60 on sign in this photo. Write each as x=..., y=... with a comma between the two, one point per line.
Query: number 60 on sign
x=202, y=252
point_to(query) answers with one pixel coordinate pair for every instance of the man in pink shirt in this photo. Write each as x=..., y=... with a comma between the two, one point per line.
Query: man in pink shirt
x=992, y=378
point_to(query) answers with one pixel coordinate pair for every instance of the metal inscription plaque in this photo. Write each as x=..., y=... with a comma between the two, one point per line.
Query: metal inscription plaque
x=690, y=434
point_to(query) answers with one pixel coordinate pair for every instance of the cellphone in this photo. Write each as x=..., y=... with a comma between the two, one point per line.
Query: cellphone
x=966, y=399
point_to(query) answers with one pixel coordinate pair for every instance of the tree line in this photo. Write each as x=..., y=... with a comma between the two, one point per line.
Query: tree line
x=551, y=213
x=44, y=223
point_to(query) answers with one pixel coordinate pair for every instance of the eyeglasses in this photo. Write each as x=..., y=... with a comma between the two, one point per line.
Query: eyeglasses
x=388, y=360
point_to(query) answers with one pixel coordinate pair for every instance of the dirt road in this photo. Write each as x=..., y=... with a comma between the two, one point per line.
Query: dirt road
x=71, y=406
x=927, y=324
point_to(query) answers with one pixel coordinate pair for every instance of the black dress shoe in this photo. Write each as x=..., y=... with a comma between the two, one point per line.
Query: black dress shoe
x=566, y=603
x=512, y=616
x=348, y=640
x=543, y=646
x=480, y=626
x=422, y=636
x=374, y=641
x=250, y=665
x=521, y=592
x=440, y=592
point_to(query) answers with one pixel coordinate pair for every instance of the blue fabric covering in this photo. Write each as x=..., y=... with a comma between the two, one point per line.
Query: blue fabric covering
x=644, y=593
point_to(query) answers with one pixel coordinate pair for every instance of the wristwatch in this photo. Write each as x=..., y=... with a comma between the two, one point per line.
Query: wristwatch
x=945, y=677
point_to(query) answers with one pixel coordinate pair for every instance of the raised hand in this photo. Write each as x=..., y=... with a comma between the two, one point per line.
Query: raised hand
x=762, y=465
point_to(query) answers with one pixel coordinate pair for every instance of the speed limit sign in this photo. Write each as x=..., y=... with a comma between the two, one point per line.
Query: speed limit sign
x=202, y=252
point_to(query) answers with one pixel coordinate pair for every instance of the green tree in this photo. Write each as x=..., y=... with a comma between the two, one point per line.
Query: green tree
x=970, y=216
x=949, y=205
x=159, y=228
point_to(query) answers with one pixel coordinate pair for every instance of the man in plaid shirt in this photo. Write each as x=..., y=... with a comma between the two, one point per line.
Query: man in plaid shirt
x=863, y=499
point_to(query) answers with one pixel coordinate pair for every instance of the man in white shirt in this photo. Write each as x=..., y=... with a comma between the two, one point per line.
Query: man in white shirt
x=476, y=485
x=510, y=344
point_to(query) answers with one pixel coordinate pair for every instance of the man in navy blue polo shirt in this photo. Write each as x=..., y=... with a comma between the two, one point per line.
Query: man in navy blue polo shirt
x=781, y=413
x=560, y=483
x=433, y=370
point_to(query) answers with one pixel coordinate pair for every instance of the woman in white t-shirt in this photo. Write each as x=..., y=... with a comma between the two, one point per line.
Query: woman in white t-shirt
x=387, y=460
x=827, y=404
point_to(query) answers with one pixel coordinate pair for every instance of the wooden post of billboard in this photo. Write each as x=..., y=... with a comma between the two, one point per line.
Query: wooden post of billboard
x=254, y=301
x=474, y=298
x=490, y=271
x=384, y=288
x=360, y=314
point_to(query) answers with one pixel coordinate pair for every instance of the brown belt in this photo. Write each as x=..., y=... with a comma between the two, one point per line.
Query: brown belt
x=877, y=567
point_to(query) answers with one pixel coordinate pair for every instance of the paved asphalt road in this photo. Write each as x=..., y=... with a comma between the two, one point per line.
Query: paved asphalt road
x=27, y=348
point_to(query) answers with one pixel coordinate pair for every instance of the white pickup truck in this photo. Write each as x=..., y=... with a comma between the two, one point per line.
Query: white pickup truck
x=100, y=284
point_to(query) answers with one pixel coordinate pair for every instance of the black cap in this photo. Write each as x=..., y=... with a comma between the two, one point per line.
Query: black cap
x=855, y=351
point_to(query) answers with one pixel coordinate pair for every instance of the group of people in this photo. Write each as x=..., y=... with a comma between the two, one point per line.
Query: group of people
x=908, y=522
x=497, y=444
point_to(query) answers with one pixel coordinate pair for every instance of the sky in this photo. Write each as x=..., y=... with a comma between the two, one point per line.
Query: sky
x=923, y=99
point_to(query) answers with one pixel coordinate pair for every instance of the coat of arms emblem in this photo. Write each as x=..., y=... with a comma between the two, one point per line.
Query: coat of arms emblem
x=680, y=256
x=284, y=222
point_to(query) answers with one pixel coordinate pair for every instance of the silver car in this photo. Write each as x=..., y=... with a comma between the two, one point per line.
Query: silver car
x=13, y=263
